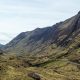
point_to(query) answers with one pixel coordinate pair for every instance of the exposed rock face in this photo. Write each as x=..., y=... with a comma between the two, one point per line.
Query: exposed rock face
x=34, y=76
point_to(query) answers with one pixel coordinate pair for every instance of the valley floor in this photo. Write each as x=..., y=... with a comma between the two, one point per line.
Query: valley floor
x=12, y=68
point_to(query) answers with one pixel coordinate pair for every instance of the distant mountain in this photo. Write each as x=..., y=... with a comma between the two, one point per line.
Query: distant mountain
x=39, y=40
x=1, y=45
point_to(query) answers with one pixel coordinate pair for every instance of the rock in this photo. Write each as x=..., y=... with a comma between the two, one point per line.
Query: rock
x=34, y=75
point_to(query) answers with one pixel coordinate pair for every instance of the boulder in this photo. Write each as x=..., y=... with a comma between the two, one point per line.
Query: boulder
x=34, y=75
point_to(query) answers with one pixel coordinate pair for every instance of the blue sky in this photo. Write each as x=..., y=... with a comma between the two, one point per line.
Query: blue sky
x=17, y=16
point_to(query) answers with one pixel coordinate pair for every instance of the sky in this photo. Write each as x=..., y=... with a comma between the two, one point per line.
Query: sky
x=18, y=16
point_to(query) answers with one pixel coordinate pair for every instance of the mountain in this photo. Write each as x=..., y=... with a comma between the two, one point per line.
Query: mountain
x=51, y=53
x=40, y=39
x=1, y=45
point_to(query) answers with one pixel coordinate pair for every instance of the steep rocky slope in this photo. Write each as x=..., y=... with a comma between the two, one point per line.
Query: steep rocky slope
x=38, y=40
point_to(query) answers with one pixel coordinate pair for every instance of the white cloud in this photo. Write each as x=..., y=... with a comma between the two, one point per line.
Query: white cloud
x=6, y=37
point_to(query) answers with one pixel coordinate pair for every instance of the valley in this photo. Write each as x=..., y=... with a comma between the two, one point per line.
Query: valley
x=51, y=53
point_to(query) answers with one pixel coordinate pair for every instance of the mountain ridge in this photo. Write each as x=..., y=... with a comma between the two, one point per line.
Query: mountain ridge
x=60, y=34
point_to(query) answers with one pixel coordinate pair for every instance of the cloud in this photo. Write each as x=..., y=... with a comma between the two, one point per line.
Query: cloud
x=6, y=37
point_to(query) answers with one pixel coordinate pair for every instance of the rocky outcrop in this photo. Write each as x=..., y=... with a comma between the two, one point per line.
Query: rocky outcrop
x=34, y=75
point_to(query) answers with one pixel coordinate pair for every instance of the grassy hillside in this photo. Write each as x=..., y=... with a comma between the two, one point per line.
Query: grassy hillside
x=19, y=68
